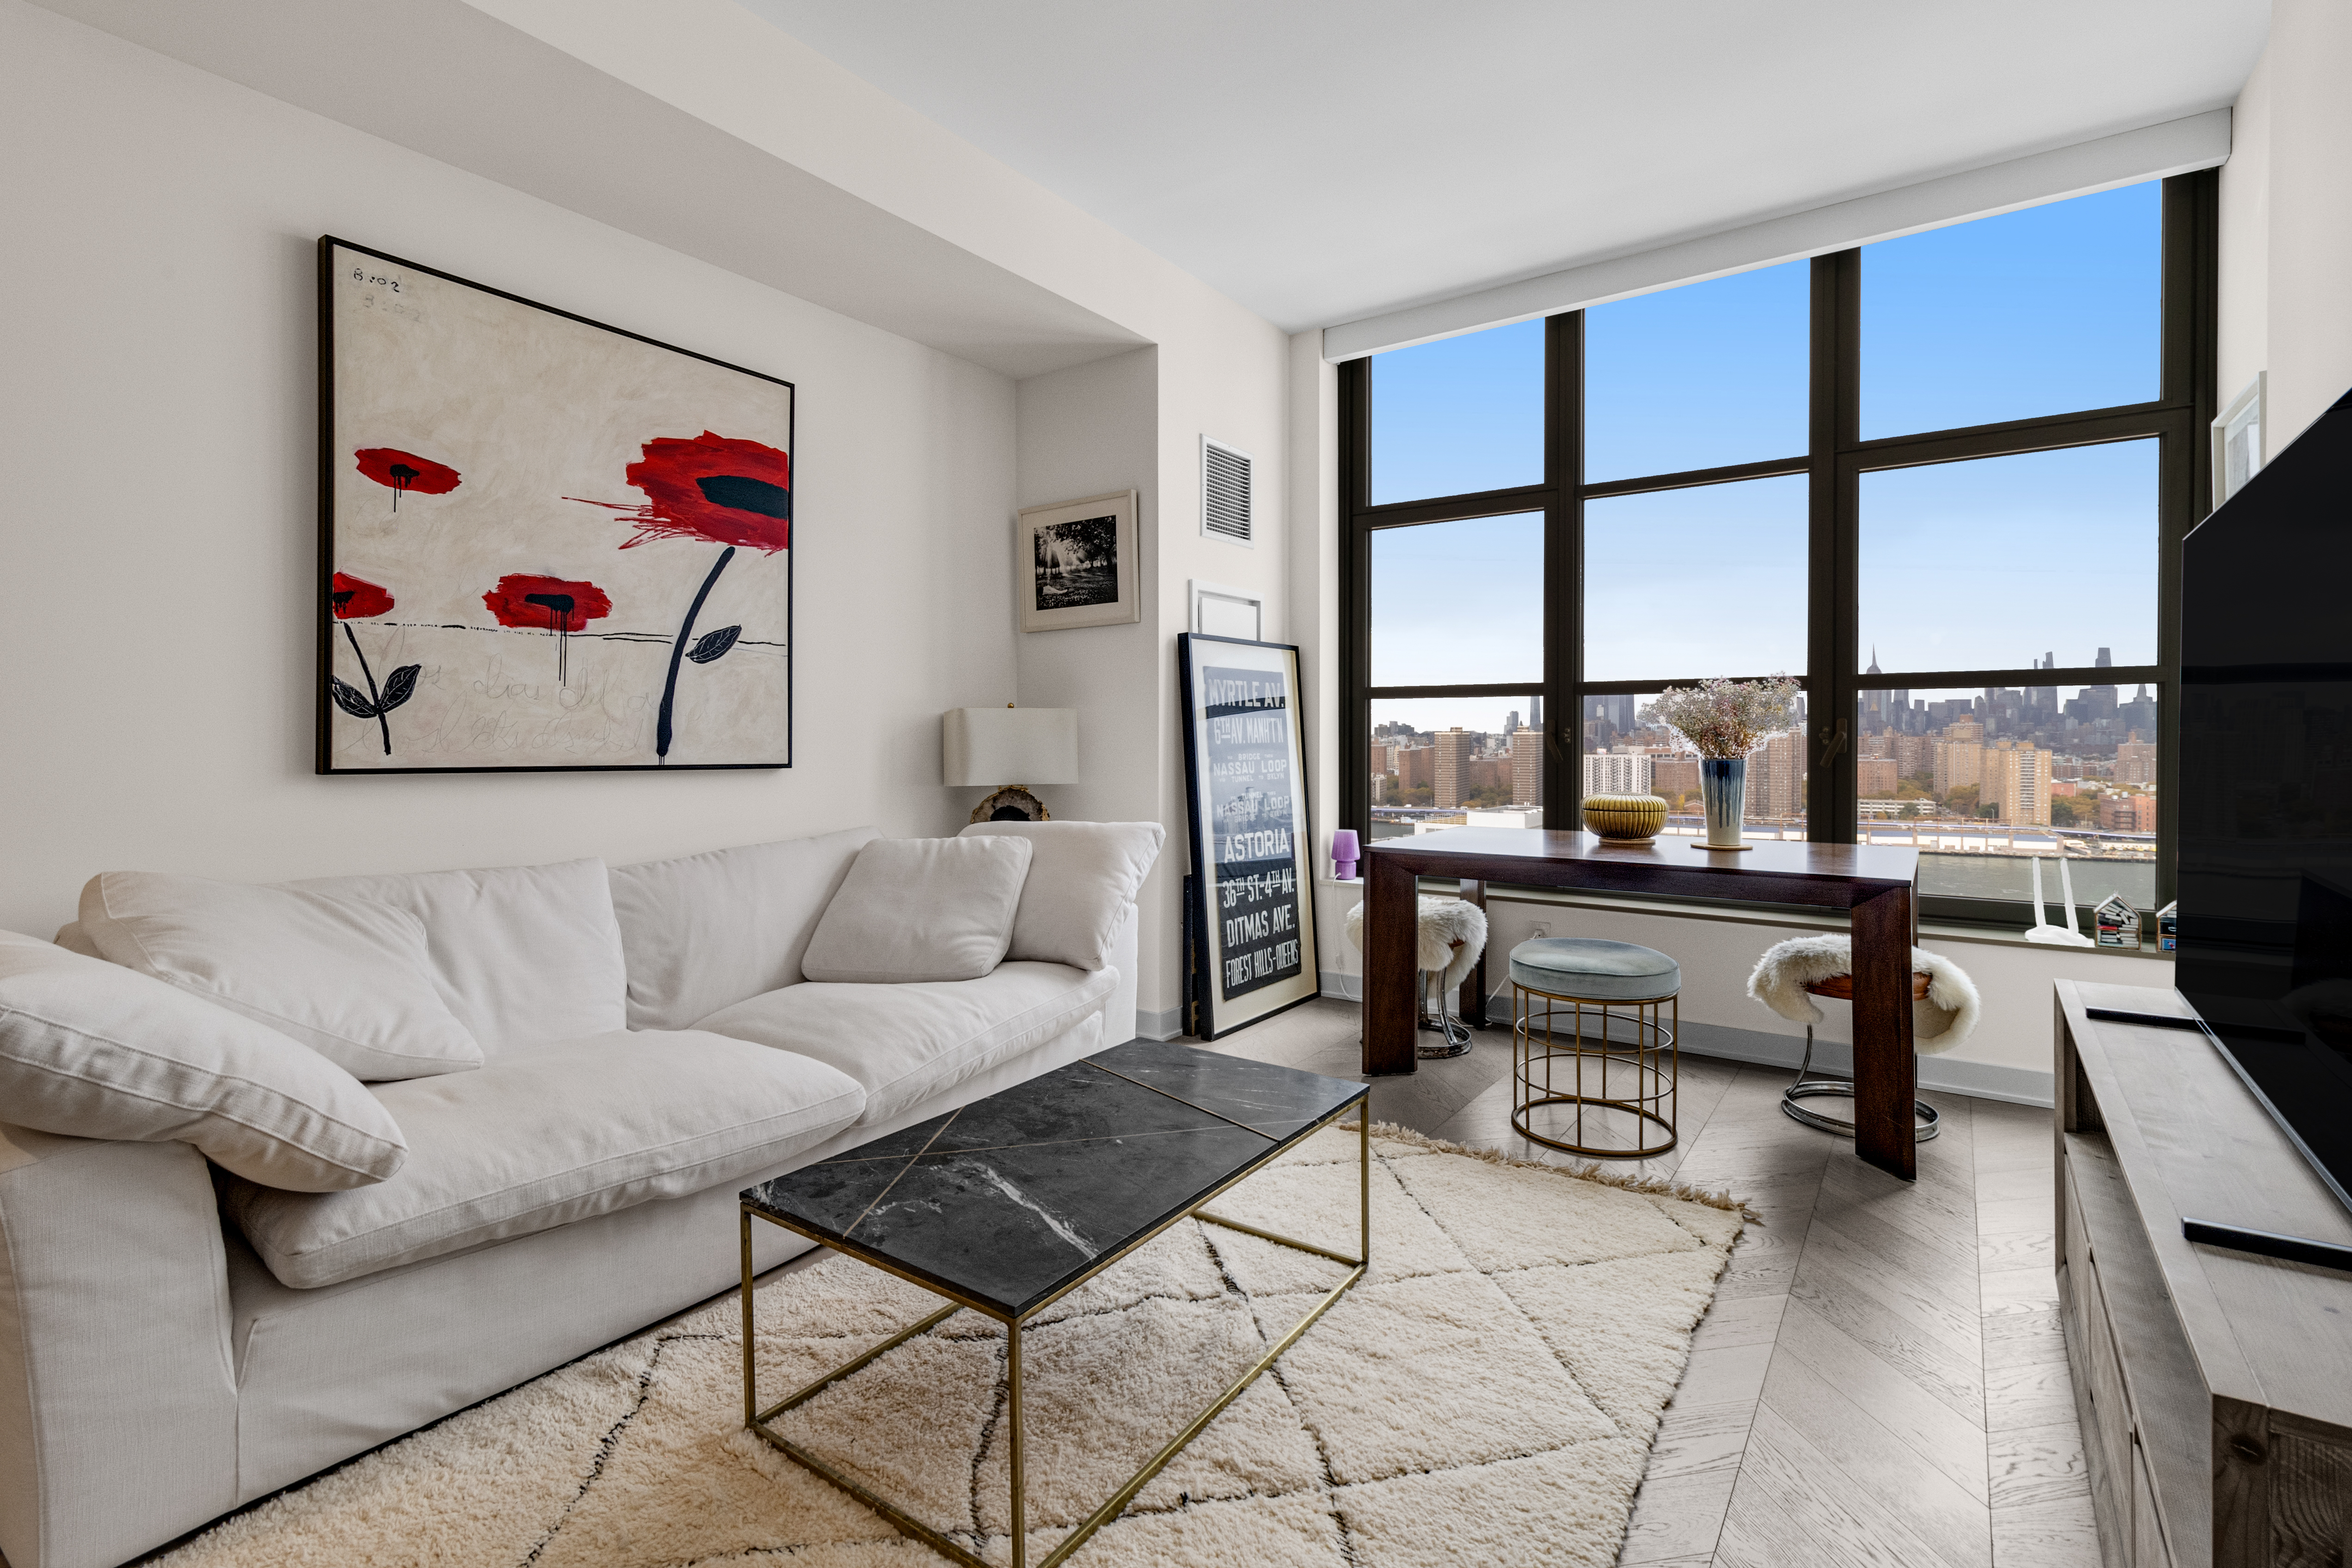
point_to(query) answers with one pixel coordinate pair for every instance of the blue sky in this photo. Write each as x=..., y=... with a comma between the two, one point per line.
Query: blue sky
x=1969, y=564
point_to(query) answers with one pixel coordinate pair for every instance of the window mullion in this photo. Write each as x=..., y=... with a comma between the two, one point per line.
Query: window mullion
x=1563, y=786
x=1355, y=795
x=1832, y=613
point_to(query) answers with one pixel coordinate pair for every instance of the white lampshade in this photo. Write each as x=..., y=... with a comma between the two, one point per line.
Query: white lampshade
x=997, y=746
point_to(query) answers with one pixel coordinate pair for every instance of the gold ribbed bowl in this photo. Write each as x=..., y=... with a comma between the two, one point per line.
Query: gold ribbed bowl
x=1625, y=818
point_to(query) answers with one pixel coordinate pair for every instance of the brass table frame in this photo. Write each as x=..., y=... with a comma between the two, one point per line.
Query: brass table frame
x=756, y=1419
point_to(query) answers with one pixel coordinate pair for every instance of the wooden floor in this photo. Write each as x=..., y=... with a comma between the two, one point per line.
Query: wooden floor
x=1881, y=1381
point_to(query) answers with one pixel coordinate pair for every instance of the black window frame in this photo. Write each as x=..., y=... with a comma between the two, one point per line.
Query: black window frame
x=1836, y=457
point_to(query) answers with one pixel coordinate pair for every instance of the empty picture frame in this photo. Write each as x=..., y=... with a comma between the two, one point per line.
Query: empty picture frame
x=545, y=544
x=2238, y=439
x=1075, y=563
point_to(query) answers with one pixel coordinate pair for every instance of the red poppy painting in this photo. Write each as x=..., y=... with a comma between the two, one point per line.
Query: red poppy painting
x=403, y=472
x=721, y=490
x=555, y=604
x=585, y=559
x=713, y=488
x=356, y=599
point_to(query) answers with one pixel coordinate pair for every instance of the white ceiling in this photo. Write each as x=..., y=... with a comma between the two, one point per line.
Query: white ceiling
x=1323, y=162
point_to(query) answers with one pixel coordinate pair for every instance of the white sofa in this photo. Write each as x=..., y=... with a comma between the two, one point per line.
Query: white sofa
x=177, y=1341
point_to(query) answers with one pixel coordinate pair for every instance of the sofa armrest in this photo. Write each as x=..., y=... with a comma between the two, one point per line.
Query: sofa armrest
x=118, y=1394
x=1120, y=1011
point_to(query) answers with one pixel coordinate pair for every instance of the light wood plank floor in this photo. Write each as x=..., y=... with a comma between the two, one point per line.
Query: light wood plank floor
x=1881, y=1382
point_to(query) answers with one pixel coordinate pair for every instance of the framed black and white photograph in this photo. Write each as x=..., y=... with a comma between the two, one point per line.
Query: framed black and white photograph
x=1075, y=563
x=1253, y=884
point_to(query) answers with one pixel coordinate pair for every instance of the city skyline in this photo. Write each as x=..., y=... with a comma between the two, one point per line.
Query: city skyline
x=2030, y=312
x=2023, y=754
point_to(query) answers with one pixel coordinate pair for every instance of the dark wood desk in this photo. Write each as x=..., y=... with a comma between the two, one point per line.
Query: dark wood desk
x=1877, y=886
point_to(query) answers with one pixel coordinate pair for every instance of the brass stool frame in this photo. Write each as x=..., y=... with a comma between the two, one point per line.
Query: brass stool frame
x=1655, y=1085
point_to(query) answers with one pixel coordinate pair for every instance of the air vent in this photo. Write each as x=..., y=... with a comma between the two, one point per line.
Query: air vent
x=1224, y=492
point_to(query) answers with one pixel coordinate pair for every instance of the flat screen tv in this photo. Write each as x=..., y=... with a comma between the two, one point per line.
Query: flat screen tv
x=2265, y=787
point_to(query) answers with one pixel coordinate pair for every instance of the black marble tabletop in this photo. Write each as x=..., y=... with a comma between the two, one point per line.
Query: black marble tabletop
x=1012, y=1199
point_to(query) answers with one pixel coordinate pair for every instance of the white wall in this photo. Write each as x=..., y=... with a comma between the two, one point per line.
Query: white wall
x=157, y=429
x=2244, y=248
x=2286, y=232
x=1091, y=430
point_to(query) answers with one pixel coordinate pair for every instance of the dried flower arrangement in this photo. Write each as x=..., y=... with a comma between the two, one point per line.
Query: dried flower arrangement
x=1723, y=719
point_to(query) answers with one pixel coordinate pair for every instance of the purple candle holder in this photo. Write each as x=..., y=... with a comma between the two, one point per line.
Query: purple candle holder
x=1345, y=853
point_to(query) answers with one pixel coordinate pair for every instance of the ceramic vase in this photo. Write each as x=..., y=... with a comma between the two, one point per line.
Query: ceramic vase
x=1723, y=790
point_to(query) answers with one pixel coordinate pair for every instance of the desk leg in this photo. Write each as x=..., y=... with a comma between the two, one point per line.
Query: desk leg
x=1886, y=1072
x=1391, y=902
x=1474, y=984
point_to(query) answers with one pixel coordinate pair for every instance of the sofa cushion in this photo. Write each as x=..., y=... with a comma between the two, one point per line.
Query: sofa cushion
x=93, y=1050
x=702, y=931
x=915, y=909
x=1083, y=878
x=904, y=1044
x=580, y=1128
x=522, y=954
x=347, y=977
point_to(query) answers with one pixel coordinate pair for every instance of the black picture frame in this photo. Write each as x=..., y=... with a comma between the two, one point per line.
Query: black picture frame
x=336, y=258
x=1249, y=919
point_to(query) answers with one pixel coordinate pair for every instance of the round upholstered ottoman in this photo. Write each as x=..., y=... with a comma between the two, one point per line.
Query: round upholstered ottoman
x=1593, y=1031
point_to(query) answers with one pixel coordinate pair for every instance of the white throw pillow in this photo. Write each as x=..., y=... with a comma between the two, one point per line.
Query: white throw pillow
x=90, y=1049
x=1082, y=881
x=522, y=954
x=706, y=932
x=348, y=978
x=920, y=908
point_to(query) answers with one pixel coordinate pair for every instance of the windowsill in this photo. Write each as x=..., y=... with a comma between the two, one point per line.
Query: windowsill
x=1751, y=915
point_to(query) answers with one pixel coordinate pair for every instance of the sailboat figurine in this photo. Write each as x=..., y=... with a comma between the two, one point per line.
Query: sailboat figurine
x=2042, y=930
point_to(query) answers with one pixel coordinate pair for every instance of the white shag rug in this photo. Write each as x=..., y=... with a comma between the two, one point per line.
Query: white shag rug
x=1486, y=1395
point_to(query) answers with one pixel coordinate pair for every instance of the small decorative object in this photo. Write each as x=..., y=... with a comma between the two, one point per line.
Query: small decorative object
x=2042, y=930
x=1252, y=847
x=2168, y=928
x=1723, y=721
x=588, y=534
x=2238, y=439
x=1075, y=562
x=986, y=746
x=1625, y=818
x=1345, y=852
x=2117, y=922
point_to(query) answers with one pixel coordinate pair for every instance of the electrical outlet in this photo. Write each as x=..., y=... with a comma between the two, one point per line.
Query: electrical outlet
x=1541, y=929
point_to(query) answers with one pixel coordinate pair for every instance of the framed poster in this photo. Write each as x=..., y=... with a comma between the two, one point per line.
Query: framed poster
x=1253, y=849
x=1075, y=563
x=544, y=543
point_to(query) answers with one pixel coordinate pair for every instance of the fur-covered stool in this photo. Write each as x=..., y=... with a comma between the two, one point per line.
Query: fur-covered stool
x=1451, y=936
x=1792, y=972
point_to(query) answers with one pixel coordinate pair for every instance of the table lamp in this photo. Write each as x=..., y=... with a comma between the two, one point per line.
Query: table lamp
x=1345, y=853
x=987, y=746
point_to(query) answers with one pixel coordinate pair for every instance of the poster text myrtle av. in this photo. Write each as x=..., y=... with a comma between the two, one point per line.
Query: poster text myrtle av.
x=1251, y=804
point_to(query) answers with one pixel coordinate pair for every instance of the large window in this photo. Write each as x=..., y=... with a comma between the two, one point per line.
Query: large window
x=1941, y=479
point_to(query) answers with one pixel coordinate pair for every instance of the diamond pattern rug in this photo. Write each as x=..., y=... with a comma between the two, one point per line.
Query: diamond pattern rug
x=1487, y=1393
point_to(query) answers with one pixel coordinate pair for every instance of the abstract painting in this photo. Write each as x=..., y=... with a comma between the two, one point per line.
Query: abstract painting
x=1075, y=563
x=545, y=542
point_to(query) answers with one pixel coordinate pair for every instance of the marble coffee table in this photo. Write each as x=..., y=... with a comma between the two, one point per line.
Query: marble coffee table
x=1013, y=1202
